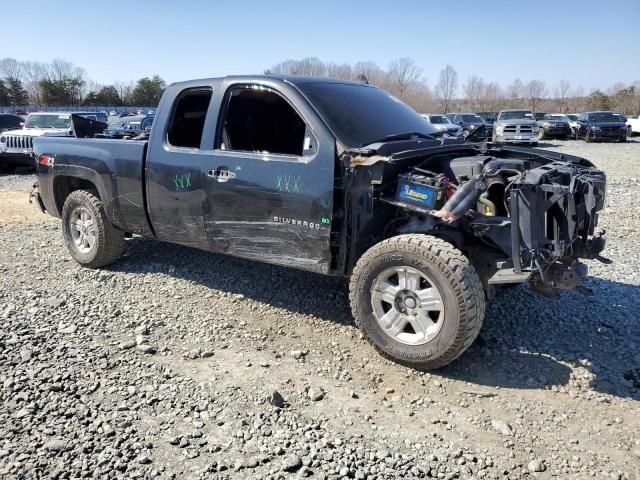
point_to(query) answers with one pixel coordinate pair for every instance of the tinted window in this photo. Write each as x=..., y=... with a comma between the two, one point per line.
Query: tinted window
x=9, y=121
x=605, y=117
x=472, y=119
x=260, y=120
x=439, y=119
x=187, y=121
x=517, y=115
x=360, y=115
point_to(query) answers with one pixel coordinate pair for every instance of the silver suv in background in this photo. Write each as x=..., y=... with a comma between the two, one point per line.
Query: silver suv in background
x=515, y=126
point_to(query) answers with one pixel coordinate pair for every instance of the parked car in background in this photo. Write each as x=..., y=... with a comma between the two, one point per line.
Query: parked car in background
x=633, y=125
x=552, y=125
x=16, y=146
x=9, y=121
x=488, y=117
x=127, y=128
x=442, y=123
x=603, y=125
x=573, y=122
x=469, y=122
x=516, y=126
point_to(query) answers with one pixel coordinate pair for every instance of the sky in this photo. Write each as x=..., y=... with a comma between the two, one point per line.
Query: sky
x=589, y=43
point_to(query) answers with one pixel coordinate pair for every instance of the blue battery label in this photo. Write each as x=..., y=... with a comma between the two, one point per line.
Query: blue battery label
x=417, y=194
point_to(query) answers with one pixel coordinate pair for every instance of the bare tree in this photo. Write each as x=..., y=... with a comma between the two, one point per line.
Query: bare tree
x=515, y=91
x=493, y=97
x=32, y=74
x=404, y=75
x=536, y=90
x=372, y=72
x=473, y=91
x=447, y=86
x=342, y=72
x=10, y=68
x=561, y=93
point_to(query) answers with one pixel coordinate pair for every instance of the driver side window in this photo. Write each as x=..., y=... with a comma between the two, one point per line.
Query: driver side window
x=259, y=120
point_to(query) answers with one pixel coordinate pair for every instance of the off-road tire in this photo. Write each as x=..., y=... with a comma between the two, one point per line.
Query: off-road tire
x=109, y=240
x=454, y=276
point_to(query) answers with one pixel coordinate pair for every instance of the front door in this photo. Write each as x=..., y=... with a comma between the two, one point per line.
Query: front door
x=269, y=179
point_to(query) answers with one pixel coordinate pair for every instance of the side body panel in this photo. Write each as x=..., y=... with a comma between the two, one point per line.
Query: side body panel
x=113, y=166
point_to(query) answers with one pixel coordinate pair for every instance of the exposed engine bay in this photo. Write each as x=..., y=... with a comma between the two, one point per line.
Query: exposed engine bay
x=520, y=214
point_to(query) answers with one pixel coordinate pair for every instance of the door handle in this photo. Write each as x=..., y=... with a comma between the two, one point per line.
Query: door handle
x=221, y=174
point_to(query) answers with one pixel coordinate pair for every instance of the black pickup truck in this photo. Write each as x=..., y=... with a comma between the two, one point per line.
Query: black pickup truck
x=337, y=178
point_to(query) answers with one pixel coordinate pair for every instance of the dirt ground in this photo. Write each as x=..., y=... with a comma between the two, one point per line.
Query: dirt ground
x=16, y=210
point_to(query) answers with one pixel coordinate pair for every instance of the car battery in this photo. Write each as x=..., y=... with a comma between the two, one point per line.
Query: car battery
x=422, y=189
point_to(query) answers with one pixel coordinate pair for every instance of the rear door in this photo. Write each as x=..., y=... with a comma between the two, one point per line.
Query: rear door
x=175, y=162
x=268, y=181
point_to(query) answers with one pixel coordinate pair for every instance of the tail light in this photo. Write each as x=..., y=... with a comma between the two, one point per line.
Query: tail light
x=46, y=160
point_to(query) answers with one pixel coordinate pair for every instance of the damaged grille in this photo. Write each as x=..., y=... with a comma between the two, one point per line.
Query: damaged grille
x=19, y=142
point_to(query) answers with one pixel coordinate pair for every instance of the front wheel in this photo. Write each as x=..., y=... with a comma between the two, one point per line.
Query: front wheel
x=541, y=134
x=418, y=300
x=91, y=239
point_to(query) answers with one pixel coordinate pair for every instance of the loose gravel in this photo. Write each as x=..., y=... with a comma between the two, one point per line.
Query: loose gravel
x=175, y=363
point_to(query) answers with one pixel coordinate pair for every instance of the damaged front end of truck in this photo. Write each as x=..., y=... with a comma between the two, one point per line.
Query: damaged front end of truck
x=520, y=215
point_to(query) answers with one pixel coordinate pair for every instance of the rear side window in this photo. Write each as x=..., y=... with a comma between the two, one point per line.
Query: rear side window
x=259, y=120
x=187, y=121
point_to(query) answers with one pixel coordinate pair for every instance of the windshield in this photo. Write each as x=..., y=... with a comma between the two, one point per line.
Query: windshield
x=560, y=118
x=543, y=116
x=605, y=117
x=573, y=118
x=438, y=119
x=359, y=115
x=517, y=115
x=48, y=121
x=472, y=119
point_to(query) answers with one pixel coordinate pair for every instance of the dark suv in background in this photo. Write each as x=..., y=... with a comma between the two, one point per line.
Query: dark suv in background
x=9, y=121
x=593, y=126
x=469, y=122
x=488, y=117
x=551, y=126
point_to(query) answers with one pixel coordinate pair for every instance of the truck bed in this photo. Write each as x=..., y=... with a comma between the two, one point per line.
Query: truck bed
x=114, y=167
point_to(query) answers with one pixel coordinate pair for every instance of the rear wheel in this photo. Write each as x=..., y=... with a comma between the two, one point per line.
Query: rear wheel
x=91, y=239
x=417, y=300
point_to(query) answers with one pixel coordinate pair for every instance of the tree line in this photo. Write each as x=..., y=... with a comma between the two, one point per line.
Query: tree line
x=61, y=83
x=405, y=80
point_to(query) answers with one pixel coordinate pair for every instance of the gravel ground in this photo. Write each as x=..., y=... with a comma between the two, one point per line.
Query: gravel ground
x=174, y=363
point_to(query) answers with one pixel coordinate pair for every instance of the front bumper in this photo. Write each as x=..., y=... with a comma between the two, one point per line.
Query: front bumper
x=557, y=131
x=607, y=135
x=517, y=138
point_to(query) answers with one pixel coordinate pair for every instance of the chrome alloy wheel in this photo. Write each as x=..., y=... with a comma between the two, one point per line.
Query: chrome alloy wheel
x=407, y=305
x=83, y=229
